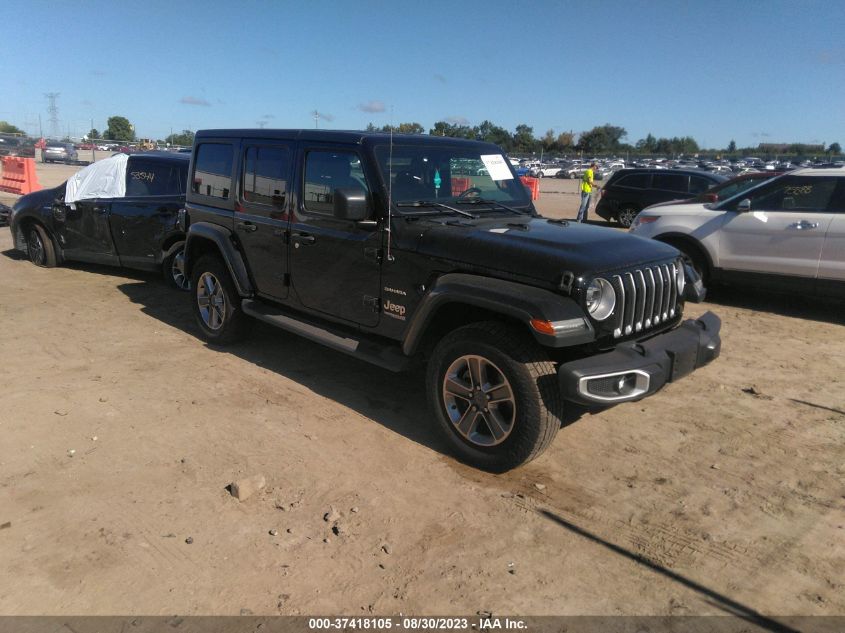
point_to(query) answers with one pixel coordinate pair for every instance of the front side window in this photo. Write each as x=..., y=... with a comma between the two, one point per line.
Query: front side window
x=795, y=193
x=154, y=178
x=449, y=175
x=326, y=171
x=698, y=185
x=265, y=175
x=213, y=170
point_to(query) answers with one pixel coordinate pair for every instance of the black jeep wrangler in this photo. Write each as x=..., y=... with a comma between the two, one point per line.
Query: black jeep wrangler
x=420, y=249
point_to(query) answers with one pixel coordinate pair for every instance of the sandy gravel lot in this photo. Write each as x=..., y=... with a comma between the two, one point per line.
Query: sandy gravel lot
x=120, y=430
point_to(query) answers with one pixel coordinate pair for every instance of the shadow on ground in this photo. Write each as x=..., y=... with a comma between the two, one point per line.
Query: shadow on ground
x=396, y=401
x=789, y=305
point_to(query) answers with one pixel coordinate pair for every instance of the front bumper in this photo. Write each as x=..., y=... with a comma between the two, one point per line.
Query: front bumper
x=636, y=370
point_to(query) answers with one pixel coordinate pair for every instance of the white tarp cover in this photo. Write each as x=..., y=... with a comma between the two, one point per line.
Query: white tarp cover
x=104, y=179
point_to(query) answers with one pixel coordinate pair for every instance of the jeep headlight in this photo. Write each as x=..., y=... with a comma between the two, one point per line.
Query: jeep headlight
x=601, y=299
x=680, y=278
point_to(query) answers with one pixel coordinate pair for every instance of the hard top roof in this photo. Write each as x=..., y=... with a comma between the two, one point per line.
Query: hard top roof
x=339, y=136
x=161, y=155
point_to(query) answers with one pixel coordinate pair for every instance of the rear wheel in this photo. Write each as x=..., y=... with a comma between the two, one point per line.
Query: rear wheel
x=626, y=215
x=173, y=268
x=40, y=247
x=494, y=394
x=216, y=303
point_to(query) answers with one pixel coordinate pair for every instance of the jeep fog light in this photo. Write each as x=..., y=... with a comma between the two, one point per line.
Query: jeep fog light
x=601, y=299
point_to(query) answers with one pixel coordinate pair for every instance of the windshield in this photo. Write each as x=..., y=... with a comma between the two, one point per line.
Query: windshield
x=448, y=175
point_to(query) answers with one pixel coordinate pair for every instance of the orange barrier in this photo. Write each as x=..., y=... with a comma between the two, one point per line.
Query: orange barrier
x=18, y=175
x=533, y=185
x=459, y=185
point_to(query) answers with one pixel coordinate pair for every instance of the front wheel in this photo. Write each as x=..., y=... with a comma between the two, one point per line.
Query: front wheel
x=494, y=394
x=216, y=303
x=39, y=247
x=626, y=215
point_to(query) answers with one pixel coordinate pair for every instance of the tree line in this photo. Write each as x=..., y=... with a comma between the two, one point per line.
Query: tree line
x=601, y=140
x=604, y=139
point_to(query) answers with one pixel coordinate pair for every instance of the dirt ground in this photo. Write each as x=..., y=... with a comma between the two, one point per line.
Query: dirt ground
x=121, y=429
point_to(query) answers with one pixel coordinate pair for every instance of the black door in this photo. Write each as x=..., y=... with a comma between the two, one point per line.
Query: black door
x=143, y=219
x=141, y=225
x=84, y=233
x=334, y=263
x=261, y=215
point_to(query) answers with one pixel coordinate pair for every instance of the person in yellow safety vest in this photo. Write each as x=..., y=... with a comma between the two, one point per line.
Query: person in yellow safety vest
x=586, y=192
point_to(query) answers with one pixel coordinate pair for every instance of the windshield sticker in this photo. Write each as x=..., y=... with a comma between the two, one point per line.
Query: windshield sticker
x=497, y=166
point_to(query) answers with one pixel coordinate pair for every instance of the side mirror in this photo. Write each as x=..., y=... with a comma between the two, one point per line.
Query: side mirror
x=351, y=204
x=744, y=205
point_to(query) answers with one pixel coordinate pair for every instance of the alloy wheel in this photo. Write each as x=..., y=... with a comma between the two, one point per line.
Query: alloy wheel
x=36, y=247
x=211, y=301
x=479, y=400
x=177, y=271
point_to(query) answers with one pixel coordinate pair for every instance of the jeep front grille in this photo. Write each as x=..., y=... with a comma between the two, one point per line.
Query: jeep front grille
x=644, y=298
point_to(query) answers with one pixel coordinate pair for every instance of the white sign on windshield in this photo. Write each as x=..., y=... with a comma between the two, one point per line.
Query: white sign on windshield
x=497, y=166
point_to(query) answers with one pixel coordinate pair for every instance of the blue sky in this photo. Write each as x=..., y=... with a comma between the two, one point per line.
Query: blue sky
x=753, y=71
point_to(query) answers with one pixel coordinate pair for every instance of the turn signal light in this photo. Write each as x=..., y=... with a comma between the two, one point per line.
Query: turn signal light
x=543, y=327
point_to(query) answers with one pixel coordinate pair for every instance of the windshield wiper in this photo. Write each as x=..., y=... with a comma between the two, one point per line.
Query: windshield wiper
x=488, y=201
x=439, y=205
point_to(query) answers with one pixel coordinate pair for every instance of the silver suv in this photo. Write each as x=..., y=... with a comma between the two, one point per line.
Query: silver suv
x=787, y=233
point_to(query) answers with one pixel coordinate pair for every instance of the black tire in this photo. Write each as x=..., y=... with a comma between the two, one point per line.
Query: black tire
x=694, y=257
x=216, y=303
x=626, y=214
x=40, y=248
x=539, y=174
x=173, y=269
x=514, y=362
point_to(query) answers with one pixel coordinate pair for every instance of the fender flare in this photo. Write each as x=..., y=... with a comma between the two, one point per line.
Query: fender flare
x=222, y=239
x=510, y=298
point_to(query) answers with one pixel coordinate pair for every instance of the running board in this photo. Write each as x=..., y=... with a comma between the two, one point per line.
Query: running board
x=384, y=356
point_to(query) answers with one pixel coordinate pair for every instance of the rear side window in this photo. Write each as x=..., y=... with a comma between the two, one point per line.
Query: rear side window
x=635, y=181
x=152, y=178
x=671, y=182
x=265, y=177
x=213, y=170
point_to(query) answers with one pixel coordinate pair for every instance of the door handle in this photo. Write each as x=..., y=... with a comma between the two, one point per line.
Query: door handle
x=803, y=225
x=302, y=238
x=247, y=227
x=101, y=210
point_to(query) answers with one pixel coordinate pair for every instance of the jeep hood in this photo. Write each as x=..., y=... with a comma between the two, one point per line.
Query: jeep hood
x=539, y=248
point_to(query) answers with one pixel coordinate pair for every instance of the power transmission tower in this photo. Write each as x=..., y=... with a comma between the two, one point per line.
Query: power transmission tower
x=53, y=111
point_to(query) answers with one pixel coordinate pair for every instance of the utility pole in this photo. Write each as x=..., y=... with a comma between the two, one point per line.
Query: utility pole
x=316, y=119
x=53, y=111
